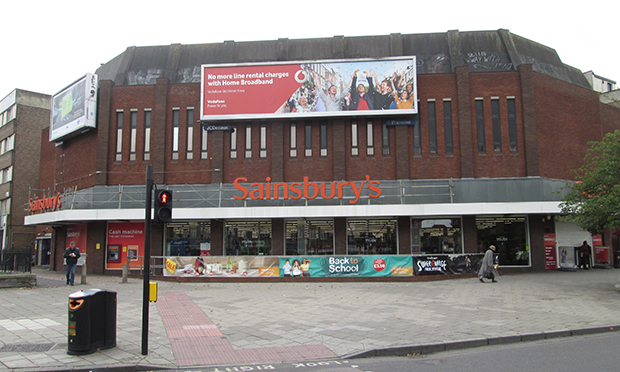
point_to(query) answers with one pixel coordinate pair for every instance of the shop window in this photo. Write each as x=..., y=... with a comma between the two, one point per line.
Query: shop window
x=480, y=125
x=323, y=139
x=369, y=237
x=293, y=141
x=370, y=138
x=385, y=139
x=119, y=135
x=133, y=136
x=263, y=141
x=354, y=139
x=190, y=134
x=247, y=238
x=495, y=120
x=309, y=237
x=147, y=134
x=512, y=124
x=192, y=238
x=447, y=125
x=176, y=117
x=248, y=141
x=432, y=127
x=233, y=142
x=508, y=235
x=436, y=236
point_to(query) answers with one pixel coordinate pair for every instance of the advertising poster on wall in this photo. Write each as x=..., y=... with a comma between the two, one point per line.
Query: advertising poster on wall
x=125, y=244
x=307, y=89
x=77, y=233
x=339, y=266
x=221, y=266
x=551, y=256
x=447, y=264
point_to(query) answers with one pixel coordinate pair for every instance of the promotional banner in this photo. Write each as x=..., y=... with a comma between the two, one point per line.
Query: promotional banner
x=447, y=264
x=220, y=266
x=125, y=244
x=551, y=259
x=337, y=266
x=315, y=88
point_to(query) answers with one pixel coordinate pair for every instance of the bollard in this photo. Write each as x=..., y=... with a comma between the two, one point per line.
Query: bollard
x=83, y=274
x=125, y=272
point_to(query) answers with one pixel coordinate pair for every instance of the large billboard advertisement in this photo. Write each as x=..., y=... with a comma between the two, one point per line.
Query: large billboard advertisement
x=309, y=89
x=74, y=108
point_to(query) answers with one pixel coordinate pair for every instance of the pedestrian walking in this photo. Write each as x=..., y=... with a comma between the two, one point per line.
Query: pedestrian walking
x=71, y=257
x=487, y=267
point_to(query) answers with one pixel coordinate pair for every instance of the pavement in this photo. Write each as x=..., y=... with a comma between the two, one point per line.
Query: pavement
x=207, y=324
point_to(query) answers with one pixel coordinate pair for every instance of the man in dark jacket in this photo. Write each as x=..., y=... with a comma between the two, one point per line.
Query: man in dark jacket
x=71, y=255
x=360, y=99
x=584, y=255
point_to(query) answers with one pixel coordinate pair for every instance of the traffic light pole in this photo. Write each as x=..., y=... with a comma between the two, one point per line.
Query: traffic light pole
x=147, y=260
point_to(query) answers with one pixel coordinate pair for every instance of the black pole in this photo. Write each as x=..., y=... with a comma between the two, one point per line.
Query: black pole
x=147, y=260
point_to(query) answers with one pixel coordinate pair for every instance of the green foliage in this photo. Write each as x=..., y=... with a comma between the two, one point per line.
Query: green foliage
x=594, y=200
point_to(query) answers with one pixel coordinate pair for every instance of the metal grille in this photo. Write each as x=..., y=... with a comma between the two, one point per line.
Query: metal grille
x=26, y=348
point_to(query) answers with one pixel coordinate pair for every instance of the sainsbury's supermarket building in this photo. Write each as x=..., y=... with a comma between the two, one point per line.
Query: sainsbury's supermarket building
x=265, y=166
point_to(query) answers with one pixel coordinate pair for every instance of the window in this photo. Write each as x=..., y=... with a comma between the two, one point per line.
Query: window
x=436, y=236
x=190, y=134
x=293, y=141
x=233, y=142
x=497, y=130
x=323, y=139
x=309, y=237
x=508, y=235
x=480, y=125
x=447, y=125
x=133, y=125
x=7, y=174
x=512, y=124
x=248, y=141
x=385, y=139
x=204, y=153
x=242, y=238
x=308, y=139
x=263, y=141
x=176, y=117
x=417, y=138
x=432, y=127
x=147, y=134
x=119, y=135
x=378, y=236
x=370, y=138
x=183, y=239
x=354, y=139
x=7, y=144
x=5, y=208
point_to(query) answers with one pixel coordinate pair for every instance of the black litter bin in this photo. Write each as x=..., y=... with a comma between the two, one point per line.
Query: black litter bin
x=92, y=321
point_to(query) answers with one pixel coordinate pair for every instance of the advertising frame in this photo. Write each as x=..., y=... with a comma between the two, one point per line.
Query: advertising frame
x=276, y=89
x=74, y=108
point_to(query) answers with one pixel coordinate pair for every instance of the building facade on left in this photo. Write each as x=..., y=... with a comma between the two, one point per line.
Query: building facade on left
x=23, y=116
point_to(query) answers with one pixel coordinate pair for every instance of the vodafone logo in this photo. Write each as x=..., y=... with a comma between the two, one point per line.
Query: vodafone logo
x=300, y=76
x=379, y=264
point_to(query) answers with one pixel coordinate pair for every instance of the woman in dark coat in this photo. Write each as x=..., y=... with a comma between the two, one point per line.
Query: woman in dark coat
x=487, y=267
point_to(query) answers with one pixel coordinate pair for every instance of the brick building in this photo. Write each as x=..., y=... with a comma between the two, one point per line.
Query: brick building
x=500, y=124
x=23, y=115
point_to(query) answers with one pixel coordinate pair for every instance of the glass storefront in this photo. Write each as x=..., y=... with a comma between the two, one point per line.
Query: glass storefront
x=372, y=236
x=192, y=238
x=247, y=238
x=436, y=236
x=309, y=237
x=509, y=235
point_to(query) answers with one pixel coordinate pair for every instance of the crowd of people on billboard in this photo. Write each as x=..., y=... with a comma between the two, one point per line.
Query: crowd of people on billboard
x=325, y=89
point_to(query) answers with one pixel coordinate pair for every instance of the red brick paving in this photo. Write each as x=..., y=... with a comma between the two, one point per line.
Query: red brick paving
x=196, y=340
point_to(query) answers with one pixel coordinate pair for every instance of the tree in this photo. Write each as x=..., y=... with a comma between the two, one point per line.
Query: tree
x=594, y=200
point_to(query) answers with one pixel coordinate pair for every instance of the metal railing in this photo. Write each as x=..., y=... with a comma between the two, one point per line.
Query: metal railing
x=16, y=260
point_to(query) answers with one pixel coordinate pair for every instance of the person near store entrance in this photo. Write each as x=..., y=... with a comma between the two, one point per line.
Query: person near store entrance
x=584, y=255
x=487, y=267
x=71, y=255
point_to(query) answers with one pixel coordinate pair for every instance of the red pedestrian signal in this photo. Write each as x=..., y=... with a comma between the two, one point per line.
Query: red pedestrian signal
x=163, y=206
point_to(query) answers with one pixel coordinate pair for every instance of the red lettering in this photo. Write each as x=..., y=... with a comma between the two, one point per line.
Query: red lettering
x=295, y=190
x=372, y=187
x=333, y=190
x=240, y=188
x=257, y=193
x=307, y=189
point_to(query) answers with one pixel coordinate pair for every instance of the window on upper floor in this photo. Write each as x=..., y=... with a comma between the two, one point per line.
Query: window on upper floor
x=189, y=141
x=119, y=135
x=355, y=147
x=133, y=125
x=370, y=138
x=480, y=126
x=447, y=126
x=147, y=134
x=497, y=128
x=293, y=141
x=432, y=126
x=512, y=123
x=323, y=138
x=176, y=119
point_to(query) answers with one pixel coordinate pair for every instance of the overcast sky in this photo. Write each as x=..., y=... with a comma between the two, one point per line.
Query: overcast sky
x=46, y=45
